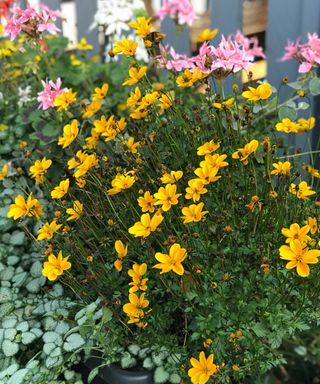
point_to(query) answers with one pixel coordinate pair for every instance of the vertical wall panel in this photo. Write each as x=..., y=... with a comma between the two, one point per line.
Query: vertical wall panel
x=226, y=15
x=85, y=12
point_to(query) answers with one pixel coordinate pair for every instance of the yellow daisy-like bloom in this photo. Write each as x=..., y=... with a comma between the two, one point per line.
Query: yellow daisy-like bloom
x=165, y=102
x=167, y=196
x=148, y=99
x=74, y=61
x=193, y=213
x=121, y=249
x=227, y=103
x=4, y=171
x=207, y=148
x=262, y=92
x=134, y=97
x=173, y=261
x=126, y=47
x=64, y=100
x=215, y=161
x=206, y=35
x=146, y=202
x=313, y=225
x=287, y=126
x=243, y=153
x=48, y=230
x=312, y=171
x=138, y=282
x=54, y=267
x=70, y=133
x=172, y=177
x=76, y=211
x=39, y=168
x=100, y=93
x=21, y=207
x=299, y=257
x=121, y=182
x=254, y=203
x=134, y=309
x=118, y=265
x=61, y=190
x=207, y=173
x=281, y=168
x=135, y=74
x=92, y=108
x=132, y=145
x=83, y=45
x=202, y=369
x=142, y=26
x=294, y=232
x=306, y=124
x=188, y=78
x=146, y=225
x=301, y=190
x=195, y=189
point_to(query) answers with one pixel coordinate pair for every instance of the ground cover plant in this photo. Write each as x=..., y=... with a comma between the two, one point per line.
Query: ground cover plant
x=169, y=207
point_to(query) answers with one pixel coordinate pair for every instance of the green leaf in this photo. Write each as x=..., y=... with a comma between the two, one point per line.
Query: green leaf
x=314, y=86
x=287, y=112
x=93, y=374
x=17, y=238
x=107, y=315
x=73, y=342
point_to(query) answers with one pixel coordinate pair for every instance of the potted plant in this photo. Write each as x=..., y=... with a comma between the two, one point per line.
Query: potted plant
x=183, y=213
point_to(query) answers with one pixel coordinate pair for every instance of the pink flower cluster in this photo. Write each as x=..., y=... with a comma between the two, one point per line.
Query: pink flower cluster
x=307, y=55
x=50, y=91
x=180, y=10
x=31, y=21
x=232, y=55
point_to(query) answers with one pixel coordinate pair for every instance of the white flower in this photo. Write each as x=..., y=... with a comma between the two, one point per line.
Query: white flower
x=1, y=96
x=24, y=95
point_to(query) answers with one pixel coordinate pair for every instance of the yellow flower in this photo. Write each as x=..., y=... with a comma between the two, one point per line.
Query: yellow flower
x=207, y=148
x=207, y=173
x=173, y=261
x=134, y=97
x=202, y=369
x=148, y=99
x=132, y=145
x=172, y=177
x=227, y=103
x=146, y=225
x=167, y=196
x=243, y=153
x=188, y=78
x=121, y=249
x=273, y=194
x=126, y=47
x=83, y=45
x=215, y=161
x=206, y=35
x=100, y=93
x=195, y=189
x=89, y=162
x=302, y=190
x=92, y=108
x=287, y=126
x=254, y=203
x=142, y=26
x=296, y=233
x=146, y=202
x=312, y=171
x=39, y=168
x=299, y=257
x=54, y=267
x=135, y=75
x=262, y=92
x=59, y=191
x=193, y=213
x=4, y=171
x=165, y=102
x=281, y=168
x=134, y=309
x=74, y=61
x=136, y=273
x=118, y=265
x=64, y=100
x=76, y=211
x=313, y=225
x=70, y=132
x=48, y=230
x=121, y=182
x=21, y=208
x=306, y=124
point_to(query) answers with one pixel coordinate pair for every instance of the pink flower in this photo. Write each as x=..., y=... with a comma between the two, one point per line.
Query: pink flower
x=50, y=91
x=180, y=10
x=31, y=21
x=170, y=59
x=307, y=55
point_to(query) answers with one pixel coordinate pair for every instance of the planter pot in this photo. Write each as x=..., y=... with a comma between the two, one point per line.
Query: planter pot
x=114, y=375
